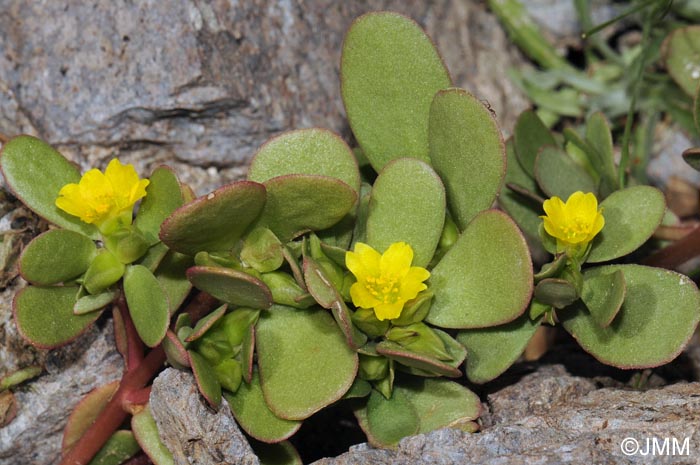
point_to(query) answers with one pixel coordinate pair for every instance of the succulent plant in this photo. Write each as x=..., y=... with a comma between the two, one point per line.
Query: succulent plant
x=322, y=283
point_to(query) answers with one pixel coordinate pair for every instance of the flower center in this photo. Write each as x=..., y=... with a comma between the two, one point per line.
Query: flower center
x=383, y=288
x=576, y=227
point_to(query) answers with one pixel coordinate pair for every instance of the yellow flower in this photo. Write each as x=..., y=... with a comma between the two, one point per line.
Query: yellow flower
x=574, y=223
x=100, y=199
x=384, y=282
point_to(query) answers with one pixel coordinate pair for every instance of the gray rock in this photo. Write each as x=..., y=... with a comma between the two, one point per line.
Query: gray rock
x=553, y=418
x=34, y=436
x=190, y=429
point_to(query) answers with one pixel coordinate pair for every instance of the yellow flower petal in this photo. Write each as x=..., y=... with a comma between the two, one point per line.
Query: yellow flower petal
x=384, y=282
x=574, y=223
x=103, y=198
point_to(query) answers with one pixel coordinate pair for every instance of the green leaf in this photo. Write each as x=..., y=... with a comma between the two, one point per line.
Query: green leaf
x=175, y=351
x=90, y=303
x=692, y=157
x=491, y=351
x=390, y=71
x=631, y=217
x=163, y=196
x=558, y=293
x=148, y=304
x=424, y=362
x=559, y=175
x=657, y=319
x=387, y=421
x=599, y=137
x=485, y=279
x=326, y=294
x=681, y=51
x=524, y=211
x=204, y=324
x=44, y=316
x=604, y=295
x=171, y=274
x=231, y=286
x=18, y=377
x=696, y=109
x=120, y=447
x=104, y=270
x=207, y=383
x=214, y=222
x=56, y=256
x=255, y=417
x=407, y=204
x=304, y=361
x=35, y=173
x=439, y=403
x=146, y=432
x=262, y=250
x=467, y=151
x=529, y=135
x=306, y=151
x=85, y=413
x=300, y=202
x=282, y=453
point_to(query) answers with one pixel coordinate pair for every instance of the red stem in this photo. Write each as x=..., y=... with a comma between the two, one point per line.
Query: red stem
x=677, y=253
x=133, y=381
x=134, y=345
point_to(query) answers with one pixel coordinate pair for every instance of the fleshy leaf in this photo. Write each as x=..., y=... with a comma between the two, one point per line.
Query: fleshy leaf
x=148, y=304
x=306, y=151
x=214, y=222
x=204, y=324
x=44, y=316
x=485, y=279
x=304, y=361
x=604, y=295
x=682, y=53
x=207, y=383
x=559, y=175
x=252, y=413
x=323, y=291
x=90, y=303
x=439, y=403
x=425, y=363
x=35, y=173
x=231, y=286
x=631, y=217
x=599, y=138
x=556, y=292
x=282, y=453
x=302, y=202
x=163, y=196
x=491, y=351
x=643, y=334
x=387, y=421
x=529, y=135
x=467, y=151
x=56, y=256
x=390, y=71
x=146, y=432
x=120, y=447
x=85, y=413
x=175, y=351
x=692, y=157
x=171, y=274
x=524, y=211
x=407, y=204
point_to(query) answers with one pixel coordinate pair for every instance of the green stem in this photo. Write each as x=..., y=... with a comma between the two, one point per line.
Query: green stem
x=617, y=18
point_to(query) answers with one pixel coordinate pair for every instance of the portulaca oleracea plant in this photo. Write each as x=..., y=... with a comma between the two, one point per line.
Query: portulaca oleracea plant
x=368, y=276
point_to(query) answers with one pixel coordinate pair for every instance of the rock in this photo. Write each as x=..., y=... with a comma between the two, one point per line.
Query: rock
x=190, y=429
x=200, y=85
x=34, y=436
x=552, y=418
